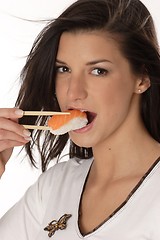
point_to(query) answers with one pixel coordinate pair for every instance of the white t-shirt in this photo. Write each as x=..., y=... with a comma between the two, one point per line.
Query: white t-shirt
x=58, y=192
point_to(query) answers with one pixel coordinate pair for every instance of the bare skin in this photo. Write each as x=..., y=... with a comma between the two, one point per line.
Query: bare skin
x=93, y=75
x=11, y=134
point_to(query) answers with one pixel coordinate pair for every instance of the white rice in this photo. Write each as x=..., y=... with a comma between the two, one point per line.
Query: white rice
x=73, y=124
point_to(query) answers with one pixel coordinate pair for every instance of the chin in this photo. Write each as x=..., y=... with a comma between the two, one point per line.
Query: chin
x=80, y=142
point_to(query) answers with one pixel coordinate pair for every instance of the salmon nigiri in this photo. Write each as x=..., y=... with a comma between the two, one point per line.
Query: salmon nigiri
x=60, y=124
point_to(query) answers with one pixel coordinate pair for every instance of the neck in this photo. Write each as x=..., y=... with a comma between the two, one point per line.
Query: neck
x=125, y=155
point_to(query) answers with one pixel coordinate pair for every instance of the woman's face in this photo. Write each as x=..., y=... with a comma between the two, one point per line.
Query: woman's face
x=93, y=75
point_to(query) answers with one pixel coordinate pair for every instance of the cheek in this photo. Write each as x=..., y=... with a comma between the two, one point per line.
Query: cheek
x=116, y=99
x=121, y=89
x=60, y=93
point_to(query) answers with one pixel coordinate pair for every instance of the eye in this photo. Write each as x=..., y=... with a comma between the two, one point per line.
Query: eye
x=62, y=69
x=99, y=71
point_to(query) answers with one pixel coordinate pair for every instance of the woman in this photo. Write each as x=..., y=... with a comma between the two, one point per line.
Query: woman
x=102, y=57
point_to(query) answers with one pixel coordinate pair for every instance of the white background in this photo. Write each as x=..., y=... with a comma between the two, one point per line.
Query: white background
x=16, y=38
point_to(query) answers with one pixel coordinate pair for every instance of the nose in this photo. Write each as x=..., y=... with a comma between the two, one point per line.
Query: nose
x=77, y=88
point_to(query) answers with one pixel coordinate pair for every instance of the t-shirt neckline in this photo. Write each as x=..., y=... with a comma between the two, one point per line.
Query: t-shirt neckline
x=117, y=210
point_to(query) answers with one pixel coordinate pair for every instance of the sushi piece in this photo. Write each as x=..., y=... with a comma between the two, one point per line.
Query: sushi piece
x=60, y=124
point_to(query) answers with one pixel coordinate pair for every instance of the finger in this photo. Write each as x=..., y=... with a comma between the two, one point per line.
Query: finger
x=2, y=168
x=8, y=135
x=9, y=125
x=10, y=144
x=11, y=113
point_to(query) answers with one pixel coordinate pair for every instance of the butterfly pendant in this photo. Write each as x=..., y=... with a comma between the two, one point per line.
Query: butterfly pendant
x=56, y=225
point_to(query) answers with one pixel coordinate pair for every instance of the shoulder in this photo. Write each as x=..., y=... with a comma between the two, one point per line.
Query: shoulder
x=61, y=169
x=62, y=172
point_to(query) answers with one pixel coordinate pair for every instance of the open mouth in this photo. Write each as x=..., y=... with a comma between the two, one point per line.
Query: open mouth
x=90, y=116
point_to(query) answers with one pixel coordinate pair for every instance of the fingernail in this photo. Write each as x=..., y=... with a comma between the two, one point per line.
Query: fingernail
x=26, y=133
x=28, y=138
x=19, y=112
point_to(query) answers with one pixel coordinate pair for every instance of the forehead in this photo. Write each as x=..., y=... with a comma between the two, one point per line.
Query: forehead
x=81, y=47
x=88, y=42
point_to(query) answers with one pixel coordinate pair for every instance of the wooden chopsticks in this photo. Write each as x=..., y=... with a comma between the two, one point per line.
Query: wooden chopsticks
x=36, y=127
x=41, y=113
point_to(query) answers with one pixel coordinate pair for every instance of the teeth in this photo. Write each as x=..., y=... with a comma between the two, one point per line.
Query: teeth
x=83, y=110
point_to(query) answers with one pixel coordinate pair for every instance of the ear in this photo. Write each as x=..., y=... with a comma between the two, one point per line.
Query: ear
x=142, y=84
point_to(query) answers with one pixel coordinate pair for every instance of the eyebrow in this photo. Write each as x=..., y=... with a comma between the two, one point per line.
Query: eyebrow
x=60, y=62
x=98, y=61
x=88, y=63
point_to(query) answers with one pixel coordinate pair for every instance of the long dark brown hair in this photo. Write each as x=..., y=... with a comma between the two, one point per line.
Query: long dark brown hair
x=132, y=24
